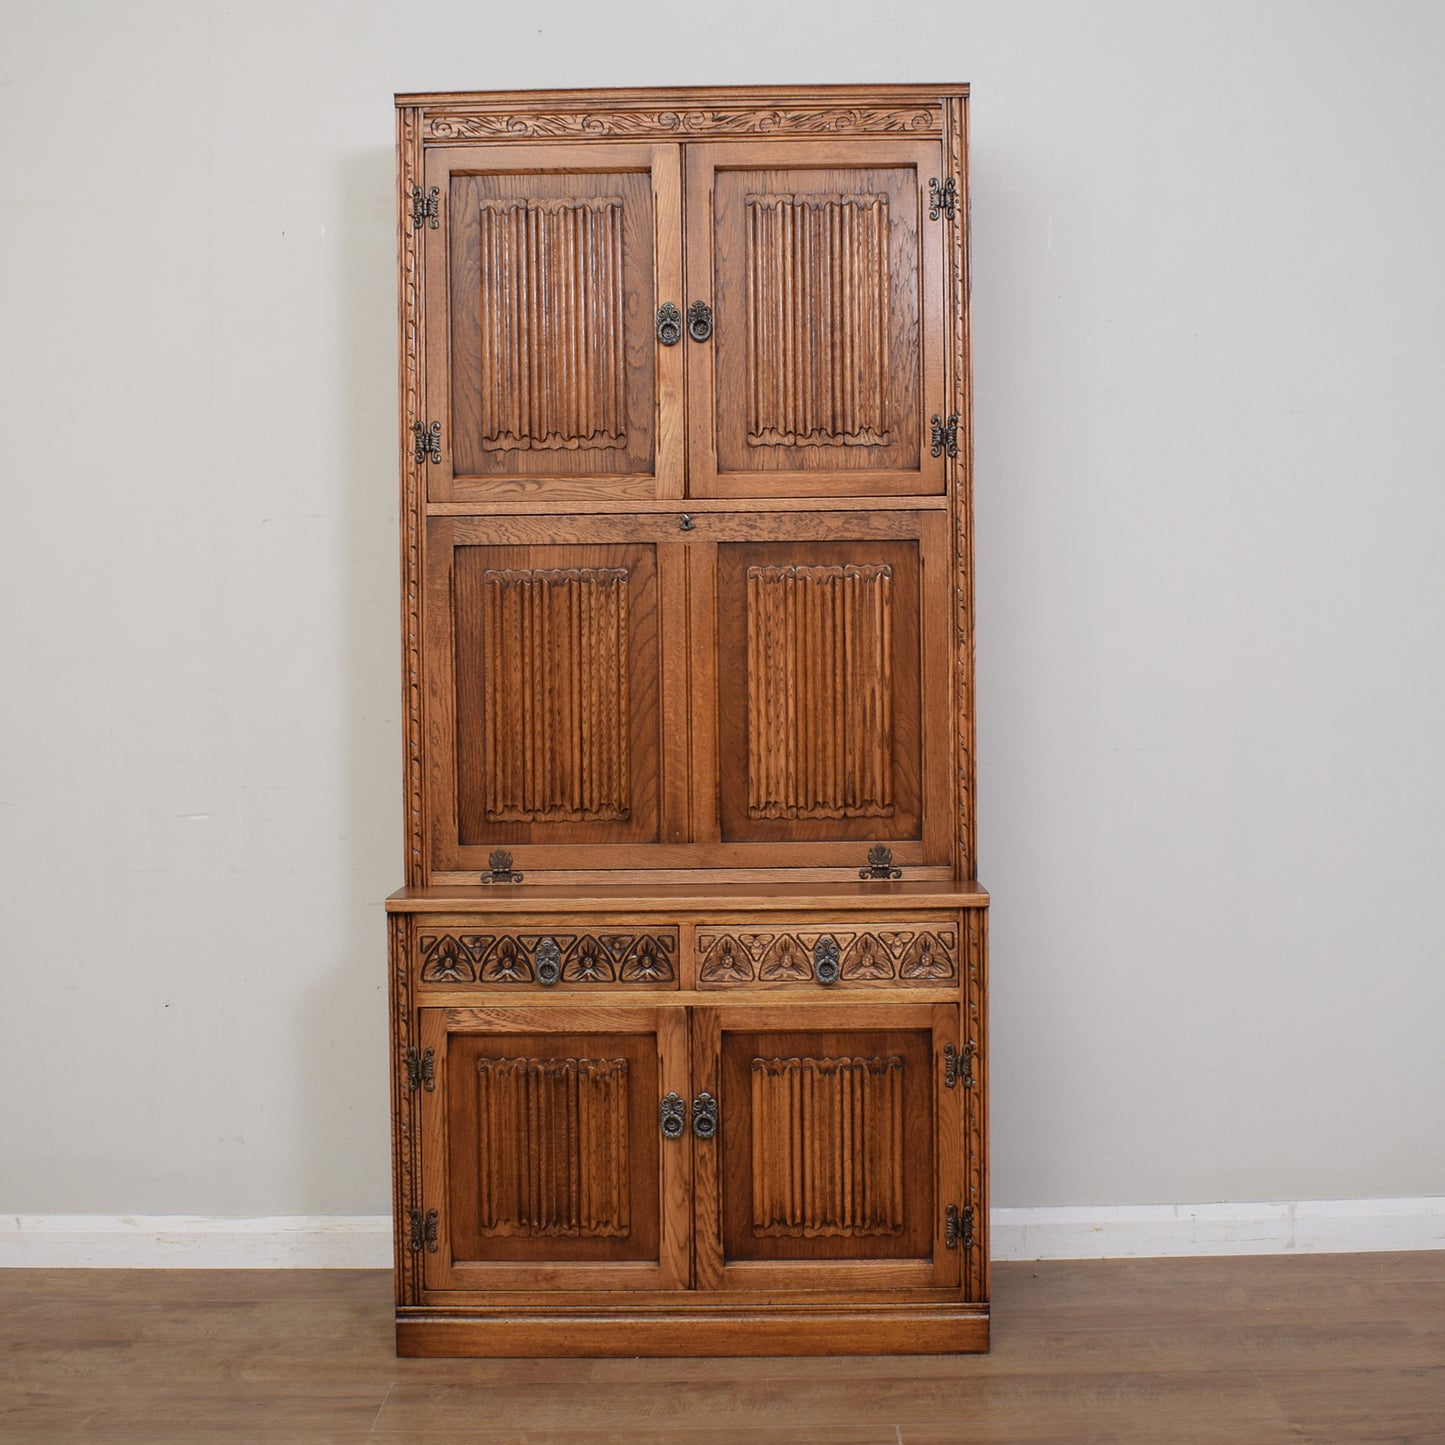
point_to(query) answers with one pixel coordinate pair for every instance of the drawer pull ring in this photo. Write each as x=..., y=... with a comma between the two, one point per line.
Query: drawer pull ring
x=826, y=966
x=699, y=321
x=672, y=1116
x=669, y=324
x=704, y=1116
x=547, y=962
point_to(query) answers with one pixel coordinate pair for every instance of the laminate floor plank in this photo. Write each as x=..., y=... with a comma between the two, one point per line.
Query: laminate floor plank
x=1257, y=1349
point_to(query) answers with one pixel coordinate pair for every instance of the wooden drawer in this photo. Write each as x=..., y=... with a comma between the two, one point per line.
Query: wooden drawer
x=837, y=953
x=541, y=955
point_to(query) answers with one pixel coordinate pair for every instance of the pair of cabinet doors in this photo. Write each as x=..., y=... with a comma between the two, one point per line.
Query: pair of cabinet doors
x=743, y=1147
x=632, y=321
x=739, y=689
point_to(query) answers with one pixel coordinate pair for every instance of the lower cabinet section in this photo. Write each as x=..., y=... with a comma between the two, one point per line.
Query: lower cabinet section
x=541, y=1150
x=668, y=1173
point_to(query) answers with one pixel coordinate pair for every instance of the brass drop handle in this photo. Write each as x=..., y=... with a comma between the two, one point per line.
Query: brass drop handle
x=669, y=324
x=699, y=321
x=547, y=962
x=704, y=1116
x=672, y=1116
x=826, y=966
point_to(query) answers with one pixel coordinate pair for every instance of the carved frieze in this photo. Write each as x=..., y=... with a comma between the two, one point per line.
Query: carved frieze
x=901, y=953
x=702, y=121
x=587, y=957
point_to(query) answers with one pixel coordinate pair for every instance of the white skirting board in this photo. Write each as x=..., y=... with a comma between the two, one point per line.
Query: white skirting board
x=363, y=1241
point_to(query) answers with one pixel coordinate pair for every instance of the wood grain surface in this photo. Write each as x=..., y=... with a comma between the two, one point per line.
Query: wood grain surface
x=1258, y=1349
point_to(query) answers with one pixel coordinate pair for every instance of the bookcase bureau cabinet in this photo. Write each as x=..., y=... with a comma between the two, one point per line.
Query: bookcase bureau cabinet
x=688, y=976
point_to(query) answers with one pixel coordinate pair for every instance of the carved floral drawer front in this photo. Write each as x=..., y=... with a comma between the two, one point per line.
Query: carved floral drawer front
x=885, y=955
x=540, y=957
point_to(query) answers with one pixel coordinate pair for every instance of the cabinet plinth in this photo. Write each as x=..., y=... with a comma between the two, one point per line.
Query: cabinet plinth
x=688, y=980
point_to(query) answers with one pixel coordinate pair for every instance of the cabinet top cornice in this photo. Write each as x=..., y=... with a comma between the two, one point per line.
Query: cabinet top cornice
x=672, y=113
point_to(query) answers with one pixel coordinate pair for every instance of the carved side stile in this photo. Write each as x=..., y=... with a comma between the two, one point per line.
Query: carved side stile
x=406, y=1182
x=409, y=174
x=959, y=473
x=976, y=1275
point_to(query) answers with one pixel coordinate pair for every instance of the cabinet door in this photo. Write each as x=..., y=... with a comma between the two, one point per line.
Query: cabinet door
x=554, y=658
x=829, y=693
x=825, y=280
x=542, y=1153
x=543, y=363
x=837, y=1151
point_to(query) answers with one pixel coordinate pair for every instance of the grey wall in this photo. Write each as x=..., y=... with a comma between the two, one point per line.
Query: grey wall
x=1208, y=308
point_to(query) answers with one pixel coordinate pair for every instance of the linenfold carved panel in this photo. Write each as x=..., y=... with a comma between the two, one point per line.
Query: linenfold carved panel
x=553, y=368
x=818, y=320
x=555, y=655
x=553, y=1148
x=903, y=953
x=827, y=1147
x=820, y=692
x=502, y=958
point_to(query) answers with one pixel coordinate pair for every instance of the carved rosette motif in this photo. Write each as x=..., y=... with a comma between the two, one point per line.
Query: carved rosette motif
x=712, y=120
x=828, y=1146
x=899, y=953
x=553, y=1133
x=507, y=958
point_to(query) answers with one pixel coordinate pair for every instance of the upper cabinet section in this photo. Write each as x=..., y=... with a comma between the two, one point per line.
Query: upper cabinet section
x=826, y=291
x=545, y=378
x=726, y=299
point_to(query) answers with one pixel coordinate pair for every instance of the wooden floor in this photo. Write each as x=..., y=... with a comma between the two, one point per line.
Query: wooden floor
x=1263, y=1349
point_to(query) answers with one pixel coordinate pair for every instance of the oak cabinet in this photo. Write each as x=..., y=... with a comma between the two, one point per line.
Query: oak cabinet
x=688, y=978
x=542, y=1155
x=763, y=689
x=799, y=357
x=585, y=1148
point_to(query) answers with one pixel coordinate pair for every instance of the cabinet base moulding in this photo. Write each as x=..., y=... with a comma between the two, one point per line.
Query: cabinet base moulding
x=854, y=1330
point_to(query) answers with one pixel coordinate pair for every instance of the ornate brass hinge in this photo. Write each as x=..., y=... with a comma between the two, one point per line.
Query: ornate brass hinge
x=427, y=441
x=945, y=436
x=424, y=1231
x=426, y=207
x=958, y=1228
x=420, y=1070
x=880, y=864
x=942, y=200
x=500, y=862
x=958, y=1064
